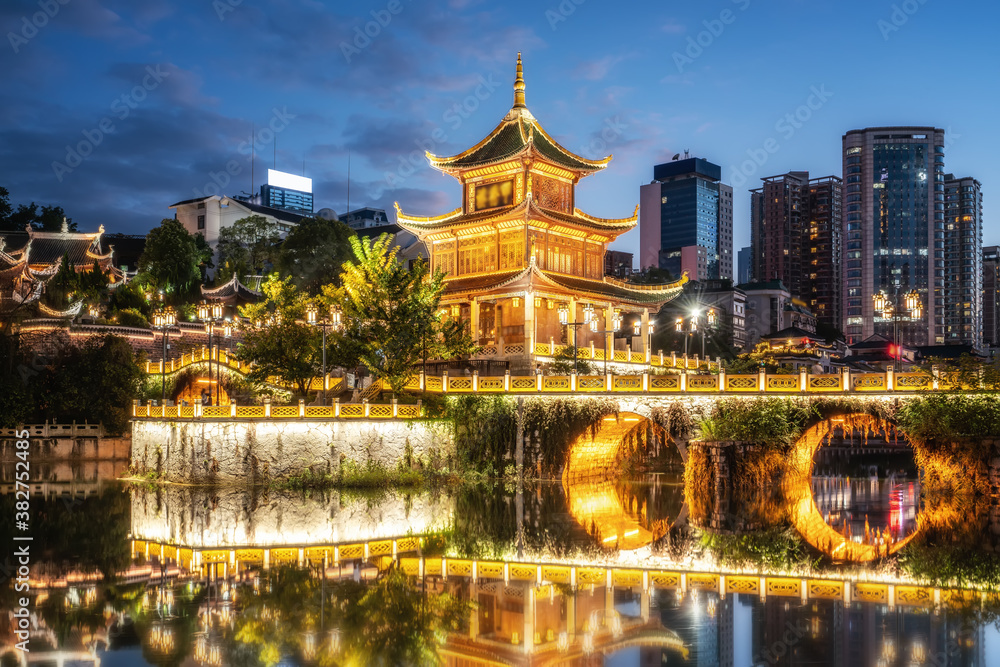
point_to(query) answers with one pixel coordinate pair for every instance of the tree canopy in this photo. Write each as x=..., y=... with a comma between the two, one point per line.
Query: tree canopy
x=171, y=260
x=276, y=340
x=314, y=252
x=390, y=313
x=247, y=247
x=46, y=219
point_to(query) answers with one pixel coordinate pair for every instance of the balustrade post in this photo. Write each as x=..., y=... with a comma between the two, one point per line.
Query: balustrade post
x=538, y=382
x=506, y=380
x=395, y=408
x=684, y=382
x=147, y=367
x=936, y=382
x=673, y=358
x=803, y=380
x=890, y=378
x=847, y=379
x=135, y=406
x=267, y=407
x=444, y=382
x=423, y=382
x=609, y=382
x=552, y=346
x=697, y=364
x=302, y=408
x=336, y=407
x=661, y=358
x=592, y=356
x=232, y=408
x=645, y=381
x=722, y=379
x=367, y=408
x=475, y=381
x=572, y=380
x=762, y=379
x=198, y=410
x=685, y=360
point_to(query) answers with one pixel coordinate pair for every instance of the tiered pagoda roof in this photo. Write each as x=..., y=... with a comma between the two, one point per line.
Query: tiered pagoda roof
x=537, y=177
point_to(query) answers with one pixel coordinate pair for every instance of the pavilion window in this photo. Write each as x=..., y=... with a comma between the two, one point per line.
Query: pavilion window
x=512, y=249
x=444, y=257
x=477, y=255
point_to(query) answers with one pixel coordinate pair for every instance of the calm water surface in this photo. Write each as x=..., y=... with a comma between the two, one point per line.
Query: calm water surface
x=235, y=577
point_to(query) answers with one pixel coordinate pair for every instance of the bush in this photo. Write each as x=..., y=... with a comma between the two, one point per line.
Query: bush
x=765, y=420
x=131, y=317
x=950, y=417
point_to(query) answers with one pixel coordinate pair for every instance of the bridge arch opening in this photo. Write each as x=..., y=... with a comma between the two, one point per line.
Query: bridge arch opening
x=866, y=544
x=596, y=498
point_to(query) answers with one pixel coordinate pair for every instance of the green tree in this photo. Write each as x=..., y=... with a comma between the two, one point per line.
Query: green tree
x=567, y=360
x=96, y=382
x=61, y=289
x=276, y=340
x=314, y=252
x=390, y=313
x=5, y=209
x=48, y=219
x=246, y=247
x=171, y=261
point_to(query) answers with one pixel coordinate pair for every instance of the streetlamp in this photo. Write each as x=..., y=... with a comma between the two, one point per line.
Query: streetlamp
x=637, y=331
x=692, y=328
x=616, y=322
x=889, y=308
x=588, y=317
x=163, y=319
x=211, y=315
x=333, y=320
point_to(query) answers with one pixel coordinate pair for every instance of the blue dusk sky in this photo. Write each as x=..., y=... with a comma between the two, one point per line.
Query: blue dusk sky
x=116, y=109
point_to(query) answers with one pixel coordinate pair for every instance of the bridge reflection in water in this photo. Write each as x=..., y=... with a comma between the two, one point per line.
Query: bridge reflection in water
x=205, y=547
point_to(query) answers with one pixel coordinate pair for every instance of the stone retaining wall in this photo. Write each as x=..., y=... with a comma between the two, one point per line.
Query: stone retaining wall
x=257, y=451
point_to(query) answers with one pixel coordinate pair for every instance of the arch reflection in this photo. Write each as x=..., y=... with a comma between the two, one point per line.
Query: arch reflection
x=854, y=536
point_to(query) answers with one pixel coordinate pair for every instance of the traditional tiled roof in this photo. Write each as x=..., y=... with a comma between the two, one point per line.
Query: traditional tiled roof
x=604, y=289
x=45, y=249
x=518, y=133
x=527, y=209
x=232, y=292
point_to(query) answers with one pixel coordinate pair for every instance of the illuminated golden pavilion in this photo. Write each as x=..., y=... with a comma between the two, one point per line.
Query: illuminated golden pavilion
x=518, y=251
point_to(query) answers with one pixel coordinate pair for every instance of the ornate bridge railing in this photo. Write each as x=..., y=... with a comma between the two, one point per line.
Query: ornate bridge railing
x=719, y=385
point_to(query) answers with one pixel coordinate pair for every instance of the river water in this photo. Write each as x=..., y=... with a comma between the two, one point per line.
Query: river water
x=605, y=572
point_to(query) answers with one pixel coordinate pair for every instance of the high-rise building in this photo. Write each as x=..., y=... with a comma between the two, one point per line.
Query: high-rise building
x=991, y=295
x=963, y=261
x=894, y=227
x=795, y=229
x=744, y=258
x=686, y=207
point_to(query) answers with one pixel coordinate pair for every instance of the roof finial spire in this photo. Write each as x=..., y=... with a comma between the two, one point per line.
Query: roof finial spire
x=65, y=226
x=519, y=85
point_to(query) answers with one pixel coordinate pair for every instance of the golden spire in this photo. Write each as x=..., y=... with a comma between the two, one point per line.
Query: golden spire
x=519, y=85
